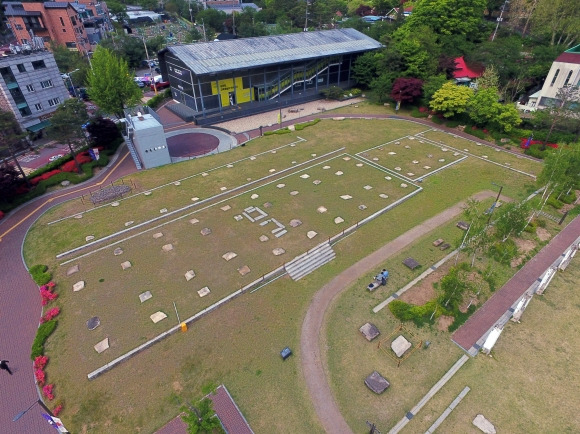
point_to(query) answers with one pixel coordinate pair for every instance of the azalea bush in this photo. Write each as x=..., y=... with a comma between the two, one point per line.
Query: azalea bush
x=47, y=294
x=40, y=362
x=48, y=391
x=50, y=314
x=40, y=376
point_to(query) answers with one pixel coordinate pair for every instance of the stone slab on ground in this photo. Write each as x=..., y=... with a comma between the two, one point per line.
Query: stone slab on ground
x=295, y=223
x=205, y=231
x=483, y=424
x=144, y=296
x=189, y=275
x=102, y=346
x=167, y=247
x=157, y=235
x=369, y=331
x=411, y=263
x=377, y=383
x=194, y=221
x=438, y=242
x=321, y=209
x=400, y=345
x=244, y=270
x=158, y=316
x=311, y=234
x=89, y=238
x=444, y=246
x=203, y=291
x=72, y=270
x=125, y=265
x=463, y=225
x=278, y=251
x=93, y=323
x=79, y=285
x=264, y=238
x=118, y=251
x=229, y=256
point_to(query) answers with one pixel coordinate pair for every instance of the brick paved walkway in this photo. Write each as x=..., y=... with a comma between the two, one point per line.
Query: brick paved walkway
x=480, y=323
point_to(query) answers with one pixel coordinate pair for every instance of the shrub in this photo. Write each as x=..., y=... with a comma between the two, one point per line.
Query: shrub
x=417, y=113
x=460, y=318
x=477, y=133
x=437, y=120
x=536, y=151
x=333, y=92
x=300, y=127
x=554, y=203
x=42, y=334
x=503, y=252
x=280, y=131
x=40, y=274
x=452, y=124
x=420, y=315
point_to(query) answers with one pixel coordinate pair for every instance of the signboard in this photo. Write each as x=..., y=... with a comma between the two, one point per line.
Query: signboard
x=55, y=422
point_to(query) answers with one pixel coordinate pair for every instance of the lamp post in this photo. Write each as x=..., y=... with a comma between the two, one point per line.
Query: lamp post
x=495, y=203
x=50, y=418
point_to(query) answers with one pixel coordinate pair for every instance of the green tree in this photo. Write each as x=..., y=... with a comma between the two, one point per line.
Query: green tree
x=200, y=418
x=561, y=169
x=432, y=85
x=559, y=19
x=483, y=106
x=511, y=219
x=111, y=86
x=365, y=68
x=212, y=18
x=12, y=139
x=451, y=99
x=66, y=125
x=477, y=238
x=489, y=79
x=508, y=117
x=119, y=10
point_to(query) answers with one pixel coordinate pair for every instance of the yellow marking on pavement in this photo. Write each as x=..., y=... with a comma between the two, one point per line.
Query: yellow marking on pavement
x=47, y=201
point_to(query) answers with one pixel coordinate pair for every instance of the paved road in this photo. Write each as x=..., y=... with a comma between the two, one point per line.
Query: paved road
x=20, y=307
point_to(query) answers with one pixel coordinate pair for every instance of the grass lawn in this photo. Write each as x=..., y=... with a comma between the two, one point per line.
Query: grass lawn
x=239, y=343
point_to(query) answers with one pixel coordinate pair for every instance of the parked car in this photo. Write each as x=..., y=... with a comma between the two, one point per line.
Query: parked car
x=160, y=85
x=139, y=83
x=54, y=157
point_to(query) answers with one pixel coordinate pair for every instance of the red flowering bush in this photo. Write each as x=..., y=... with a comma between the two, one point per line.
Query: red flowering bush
x=40, y=376
x=474, y=127
x=40, y=362
x=423, y=109
x=47, y=294
x=44, y=176
x=50, y=314
x=56, y=411
x=485, y=131
x=70, y=166
x=48, y=391
x=1, y=215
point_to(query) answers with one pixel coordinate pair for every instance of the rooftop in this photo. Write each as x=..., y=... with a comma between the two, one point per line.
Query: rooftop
x=214, y=57
x=570, y=56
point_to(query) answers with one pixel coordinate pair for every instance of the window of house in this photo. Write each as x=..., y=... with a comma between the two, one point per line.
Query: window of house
x=568, y=78
x=46, y=83
x=25, y=111
x=18, y=27
x=61, y=21
x=64, y=30
x=38, y=107
x=53, y=102
x=555, y=77
x=21, y=67
x=73, y=21
x=38, y=64
x=30, y=88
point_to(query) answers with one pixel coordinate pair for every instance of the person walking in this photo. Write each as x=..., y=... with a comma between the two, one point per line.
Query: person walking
x=4, y=366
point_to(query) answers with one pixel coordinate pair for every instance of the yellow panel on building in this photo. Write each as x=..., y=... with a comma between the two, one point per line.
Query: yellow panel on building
x=230, y=94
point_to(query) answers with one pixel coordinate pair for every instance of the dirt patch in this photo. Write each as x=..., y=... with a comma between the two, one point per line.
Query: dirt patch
x=177, y=386
x=423, y=291
x=443, y=322
x=468, y=300
x=543, y=234
x=524, y=246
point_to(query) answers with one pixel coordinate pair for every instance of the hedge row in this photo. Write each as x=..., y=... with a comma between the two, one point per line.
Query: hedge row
x=40, y=274
x=44, y=331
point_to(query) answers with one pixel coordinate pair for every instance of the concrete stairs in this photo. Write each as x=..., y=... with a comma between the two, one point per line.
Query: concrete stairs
x=307, y=262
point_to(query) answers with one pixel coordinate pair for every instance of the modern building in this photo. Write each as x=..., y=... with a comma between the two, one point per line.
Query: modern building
x=77, y=25
x=146, y=140
x=220, y=80
x=31, y=87
x=229, y=6
x=565, y=71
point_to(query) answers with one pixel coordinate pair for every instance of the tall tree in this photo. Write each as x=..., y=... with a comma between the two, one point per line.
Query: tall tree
x=406, y=90
x=565, y=108
x=12, y=139
x=559, y=19
x=200, y=418
x=111, y=86
x=9, y=181
x=66, y=125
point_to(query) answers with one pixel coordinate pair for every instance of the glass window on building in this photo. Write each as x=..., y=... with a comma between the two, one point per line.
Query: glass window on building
x=45, y=84
x=30, y=88
x=21, y=67
x=25, y=111
x=38, y=64
x=38, y=107
x=53, y=102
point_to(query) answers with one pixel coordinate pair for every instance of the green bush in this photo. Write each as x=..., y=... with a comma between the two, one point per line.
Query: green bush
x=536, y=151
x=42, y=334
x=460, y=318
x=503, y=252
x=477, y=133
x=567, y=198
x=159, y=98
x=417, y=114
x=40, y=274
x=333, y=92
x=437, y=120
x=452, y=124
x=554, y=203
x=280, y=131
x=300, y=127
x=420, y=315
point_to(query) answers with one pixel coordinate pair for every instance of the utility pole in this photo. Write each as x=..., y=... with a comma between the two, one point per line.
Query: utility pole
x=306, y=18
x=499, y=19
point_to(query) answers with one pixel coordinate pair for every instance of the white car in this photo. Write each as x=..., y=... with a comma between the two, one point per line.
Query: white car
x=55, y=157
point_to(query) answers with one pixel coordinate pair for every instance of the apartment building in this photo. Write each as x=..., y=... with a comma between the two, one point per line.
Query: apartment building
x=31, y=87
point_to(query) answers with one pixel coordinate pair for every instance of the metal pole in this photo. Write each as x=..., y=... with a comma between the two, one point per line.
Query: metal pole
x=494, y=205
x=175, y=307
x=499, y=19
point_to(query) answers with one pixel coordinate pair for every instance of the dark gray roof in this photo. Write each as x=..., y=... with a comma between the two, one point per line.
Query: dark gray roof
x=219, y=56
x=15, y=9
x=55, y=5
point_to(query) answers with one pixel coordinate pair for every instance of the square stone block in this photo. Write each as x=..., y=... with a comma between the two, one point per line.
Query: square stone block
x=226, y=208
x=254, y=196
x=79, y=285
x=157, y=235
x=72, y=270
x=205, y=231
x=295, y=223
x=194, y=221
x=144, y=296
x=229, y=256
x=438, y=242
x=157, y=316
x=125, y=265
x=311, y=234
x=102, y=346
x=321, y=209
x=118, y=251
x=264, y=238
x=203, y=291
x=167, y=247
x=244, y=270
x=338, y=220
x=89, y=238
x=369, y=331
x=278, y=251
x=400, y=345
x=346, y=196
x=189, y=275
x=238, y=218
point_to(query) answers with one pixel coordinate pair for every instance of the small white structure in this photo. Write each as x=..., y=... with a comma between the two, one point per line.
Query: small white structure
x=521, y=306
x=548, y=276
x=148, y=139
x=491, y=339
x=568, y=257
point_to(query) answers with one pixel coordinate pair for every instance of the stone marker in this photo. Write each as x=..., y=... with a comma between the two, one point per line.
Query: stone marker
x=226, y=208
x=177, y=183
x=438, y=242
x=314, y=155
x=238, y=218
x=426, y=167
x=392, y=153
x=203, y=291
x=189, y=275
x=398, y=168
x=346, y=158
x=125, y=265
x=167, y=247
x=79, y=216
x=483, y=424
x=79, y=285
x=359, y=165
x=264, y=238
x=403, y=185
x=321, y=209
x=339, y=173
x=194, y=221
x=252, y=158
x=144, y=296
x=93, y=323
x=326, y=167
x=293, y=193
x=268, y=205
x=388, y=178
x=375, y=159
x=411, y=263
x=278, y=251
x=463, y=225
x=444, y=246
x=295, y=223
x=157, y=235
x=163, y=210
x=369, y=331
x=305, y=176
x=229, y=165
x=102, y=346
x=229, y=256
x=317, y=182
x=194, y=199
x=65, y=183
x=147, y=193
x=311, y=234
x=89, y=238
x=204, y=174
x=115, y=204
x=157, y=316
x=205, y=231
x=383, y=196
x=444, y=149
x=338, y=220
x=254, y=196
x=129, y=223
x=368, y=187
x=118, y=251
x=415, y=162
x=272, y=170
x=273, y=151
x=400, y=345
x=281, y=185
x=346, y=196
x=244, y=270
x=72, y=270
x=377, y=383
x=362, y=207
x=223, y=188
